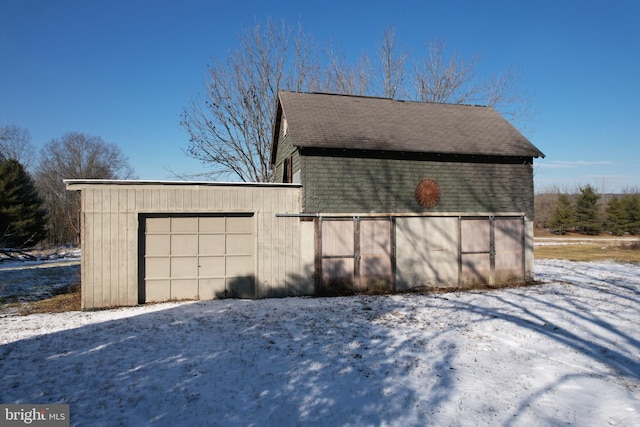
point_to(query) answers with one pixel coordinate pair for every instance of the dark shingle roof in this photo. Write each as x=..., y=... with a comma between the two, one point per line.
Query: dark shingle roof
x=318, y=120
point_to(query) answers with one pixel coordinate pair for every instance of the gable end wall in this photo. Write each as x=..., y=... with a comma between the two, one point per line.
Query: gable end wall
x=285, y=149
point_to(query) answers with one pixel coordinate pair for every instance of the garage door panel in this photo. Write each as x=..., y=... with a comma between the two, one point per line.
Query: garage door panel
x=158, y=245
x=212, y=266
x=239, y=265
x=184, y=267
x=212, y=225
x=189, y=225
x=241, y=224
x=212, y=288
x=184, y=244
x=157, y=290
x=239, y=243
x=158, y=225
x=158, y=268
x=184, y=288
x=212, y=244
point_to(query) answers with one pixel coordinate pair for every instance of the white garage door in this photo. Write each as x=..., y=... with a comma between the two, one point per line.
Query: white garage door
x=198, y=257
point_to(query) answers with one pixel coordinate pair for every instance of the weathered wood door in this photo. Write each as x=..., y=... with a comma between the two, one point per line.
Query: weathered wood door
x=509, y=250
x=491, y=250
x=375, y=269
x=354, y=255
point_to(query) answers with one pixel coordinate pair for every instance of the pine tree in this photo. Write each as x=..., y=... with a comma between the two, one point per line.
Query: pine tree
x=22, y=218
x=564, y=215
x=631, y=204
x=617, y=217
x=587, y=215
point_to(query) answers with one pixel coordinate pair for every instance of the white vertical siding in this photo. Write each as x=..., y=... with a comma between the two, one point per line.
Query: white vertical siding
x=528, y=250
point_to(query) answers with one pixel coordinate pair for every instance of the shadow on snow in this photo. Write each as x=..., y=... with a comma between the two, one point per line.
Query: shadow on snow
x=356, y=360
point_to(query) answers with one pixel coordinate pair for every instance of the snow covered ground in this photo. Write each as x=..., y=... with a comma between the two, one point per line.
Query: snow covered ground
x=47, y=275
x=565, y=352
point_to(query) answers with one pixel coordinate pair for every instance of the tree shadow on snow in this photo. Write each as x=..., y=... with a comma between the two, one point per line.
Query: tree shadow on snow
x=234, y=362
x=365, y=360
x=591, y=316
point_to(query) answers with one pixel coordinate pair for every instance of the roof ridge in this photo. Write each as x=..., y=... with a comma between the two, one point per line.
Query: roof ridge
x=413, y=101
x=326, y=120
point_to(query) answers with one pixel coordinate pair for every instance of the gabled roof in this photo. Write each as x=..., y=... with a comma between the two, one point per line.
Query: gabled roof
x=319, y=120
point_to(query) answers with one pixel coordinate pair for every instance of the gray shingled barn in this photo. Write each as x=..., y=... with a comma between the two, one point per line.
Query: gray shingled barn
x=408, y=194
x=371, y=194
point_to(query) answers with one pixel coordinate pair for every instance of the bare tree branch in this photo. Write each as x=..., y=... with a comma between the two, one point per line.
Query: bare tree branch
x=392, y=64
x=74, y=156
x=230, y=125
x=450, y=80
x=343, y=78
x=15, y=144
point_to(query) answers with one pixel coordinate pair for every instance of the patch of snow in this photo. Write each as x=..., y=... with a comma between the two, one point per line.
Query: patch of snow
x=69, y=255
x=564, y=352
x=51, y=273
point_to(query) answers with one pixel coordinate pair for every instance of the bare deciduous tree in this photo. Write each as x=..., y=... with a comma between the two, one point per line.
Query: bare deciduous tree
x=544, y=206
x=15, y=144
x=74, y=156
x=342, y=77
x=392, y=64
x=442, y=79
x=230, y=126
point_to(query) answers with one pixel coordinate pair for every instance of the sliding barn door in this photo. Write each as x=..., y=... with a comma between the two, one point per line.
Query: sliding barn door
x=354, y=255
x=491, y=250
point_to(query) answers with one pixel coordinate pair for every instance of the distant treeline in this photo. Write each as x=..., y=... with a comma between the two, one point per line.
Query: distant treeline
x=586, y=211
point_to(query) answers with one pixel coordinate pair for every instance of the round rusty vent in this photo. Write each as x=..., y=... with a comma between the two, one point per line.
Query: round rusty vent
x=427, y=193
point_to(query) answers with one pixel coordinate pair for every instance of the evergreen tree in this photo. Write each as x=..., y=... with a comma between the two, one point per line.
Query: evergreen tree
x=564, y=215
x=587, y=214
x=631, y=205
x=22, y=218
x=617, y=217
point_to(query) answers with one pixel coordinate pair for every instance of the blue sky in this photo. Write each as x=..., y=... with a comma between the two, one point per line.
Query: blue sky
x=124, y=70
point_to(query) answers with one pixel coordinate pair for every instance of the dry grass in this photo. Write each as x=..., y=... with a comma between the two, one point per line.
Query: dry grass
x=57, y=304
x=617, y=252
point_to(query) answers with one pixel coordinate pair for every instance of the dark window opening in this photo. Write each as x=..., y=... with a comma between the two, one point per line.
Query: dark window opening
x=287, y=173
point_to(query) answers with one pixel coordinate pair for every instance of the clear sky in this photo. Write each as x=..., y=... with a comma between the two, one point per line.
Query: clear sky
x=124, y=70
